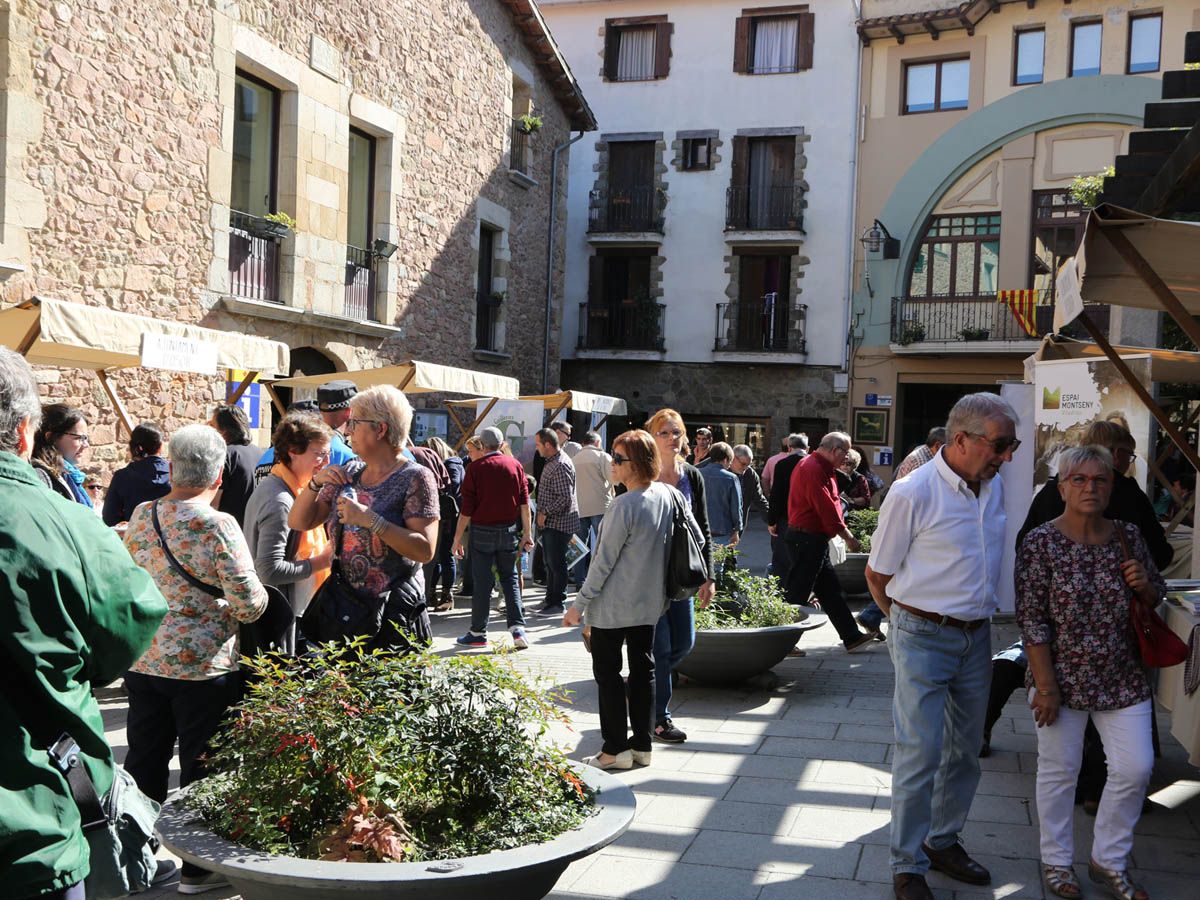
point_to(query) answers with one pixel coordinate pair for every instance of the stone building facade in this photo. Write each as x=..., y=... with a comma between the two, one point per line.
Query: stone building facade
x=125, y=143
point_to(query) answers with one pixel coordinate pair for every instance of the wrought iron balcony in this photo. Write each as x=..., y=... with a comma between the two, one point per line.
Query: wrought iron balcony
x=766, y=323
x=945, y=319
x=770, y=208
x=518, y=154
x=621, y=326
x=360, y=285
x=254, y=257
x=625, y=210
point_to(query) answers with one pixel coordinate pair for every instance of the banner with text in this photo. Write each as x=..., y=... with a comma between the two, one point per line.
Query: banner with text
x=518, y=421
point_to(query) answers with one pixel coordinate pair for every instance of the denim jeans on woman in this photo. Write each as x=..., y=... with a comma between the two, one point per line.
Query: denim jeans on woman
x=494, y=545
x=940, y=701
x=674, y=636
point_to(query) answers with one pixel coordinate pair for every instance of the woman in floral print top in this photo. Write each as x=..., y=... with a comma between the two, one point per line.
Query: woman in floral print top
x=1075, y=581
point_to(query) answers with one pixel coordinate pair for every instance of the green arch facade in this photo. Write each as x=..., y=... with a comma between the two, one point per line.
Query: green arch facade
x=1117, y=99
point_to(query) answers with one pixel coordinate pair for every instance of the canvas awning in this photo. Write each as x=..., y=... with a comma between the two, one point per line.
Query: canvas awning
x=416, y=377
x=1179, y=366
x=49, y=332
x=556, y=403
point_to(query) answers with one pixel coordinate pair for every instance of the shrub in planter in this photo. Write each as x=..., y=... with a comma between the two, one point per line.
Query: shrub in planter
x=368, y=757
x=862, y=524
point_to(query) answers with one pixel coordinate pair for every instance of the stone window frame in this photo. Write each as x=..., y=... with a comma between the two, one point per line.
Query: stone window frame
x=520, y=102
x=498, y=219
x=22, y=201
x=679, y=148
x=797, y=263
x=740, y=164
x=600, y=166
x=610, y=46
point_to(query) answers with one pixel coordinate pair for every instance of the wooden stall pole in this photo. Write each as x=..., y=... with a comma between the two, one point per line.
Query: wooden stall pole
x=118, y=406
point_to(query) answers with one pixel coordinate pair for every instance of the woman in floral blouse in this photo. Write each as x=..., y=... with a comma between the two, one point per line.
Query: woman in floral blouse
x=1074, y=582
x=386, y=509
x=188, y=678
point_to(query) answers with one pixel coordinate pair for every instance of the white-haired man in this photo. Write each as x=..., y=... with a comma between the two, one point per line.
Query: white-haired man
x=934, y=569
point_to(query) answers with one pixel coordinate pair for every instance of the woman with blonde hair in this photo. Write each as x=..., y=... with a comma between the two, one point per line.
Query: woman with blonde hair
x=675, y=632
x=382, y=510
x=624, y=597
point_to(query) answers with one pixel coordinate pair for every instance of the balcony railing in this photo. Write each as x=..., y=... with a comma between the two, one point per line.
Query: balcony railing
x=771, y=208
x=360, y=285
x=952, y=320
x=487, y=316
x=626, y=210
x=621, y=326
x=518, y=154
x=254, y=257
x=765, y=323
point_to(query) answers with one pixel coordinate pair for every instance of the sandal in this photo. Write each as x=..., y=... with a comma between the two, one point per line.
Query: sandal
x=1061, y=881
x=1118, y=882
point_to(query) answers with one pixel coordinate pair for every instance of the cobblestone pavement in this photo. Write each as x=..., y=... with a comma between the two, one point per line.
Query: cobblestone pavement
x=784, y=792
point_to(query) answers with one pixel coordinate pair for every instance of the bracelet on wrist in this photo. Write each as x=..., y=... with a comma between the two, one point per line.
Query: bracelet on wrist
x=378, y=525
x=313, y=486
x=1050, y=693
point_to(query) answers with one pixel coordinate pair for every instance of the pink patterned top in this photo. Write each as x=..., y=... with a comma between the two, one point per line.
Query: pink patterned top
x=1074, y=598
x=198, y=638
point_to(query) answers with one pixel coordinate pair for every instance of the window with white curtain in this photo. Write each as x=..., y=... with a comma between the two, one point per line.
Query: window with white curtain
x=775, y=44
x=635, y=54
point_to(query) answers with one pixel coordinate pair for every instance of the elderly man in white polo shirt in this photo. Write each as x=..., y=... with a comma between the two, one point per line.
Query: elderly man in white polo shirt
x=934, y=569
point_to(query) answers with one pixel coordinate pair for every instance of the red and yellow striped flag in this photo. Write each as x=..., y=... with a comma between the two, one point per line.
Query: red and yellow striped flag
x=1023, y=306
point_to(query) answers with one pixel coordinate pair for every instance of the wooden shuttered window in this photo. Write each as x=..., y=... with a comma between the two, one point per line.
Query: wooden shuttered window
x=741, y=44
x=741, y=161
x=743, y=35
x=595, y=280
x=662, y=49
x=804, y=41
x=614, y=29
x=612, y=49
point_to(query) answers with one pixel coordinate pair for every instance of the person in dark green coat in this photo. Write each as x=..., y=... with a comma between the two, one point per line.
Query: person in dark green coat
x=75, y=613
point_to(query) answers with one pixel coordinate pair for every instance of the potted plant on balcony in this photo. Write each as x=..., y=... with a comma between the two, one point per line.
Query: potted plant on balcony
x=913, y=333
x=529, y=123
x=277, y=225
x=852, y=572
x=747, y=630
x=383, y=776
x=975, y=334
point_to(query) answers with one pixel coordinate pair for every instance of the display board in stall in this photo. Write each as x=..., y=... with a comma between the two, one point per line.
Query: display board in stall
x=518, y=421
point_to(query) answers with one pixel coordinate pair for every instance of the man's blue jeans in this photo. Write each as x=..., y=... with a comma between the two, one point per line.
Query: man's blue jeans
x=554, y=549
x=940, y=702
x=587, y=524
x=494, y=545
x=871, y=616
x=674, y=636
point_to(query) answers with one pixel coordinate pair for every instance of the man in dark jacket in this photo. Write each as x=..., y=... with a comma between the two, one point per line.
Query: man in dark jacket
x=777, y=507
x=75, y=613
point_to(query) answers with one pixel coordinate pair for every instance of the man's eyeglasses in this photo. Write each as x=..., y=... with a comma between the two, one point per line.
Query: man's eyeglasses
x=1001, y=445
x=82, y=438
x=619, y=460
x=354, y=423
x=1084, y=480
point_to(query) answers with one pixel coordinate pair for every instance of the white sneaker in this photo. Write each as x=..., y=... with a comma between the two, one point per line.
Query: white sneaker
x=200, y=884
x=520, y=641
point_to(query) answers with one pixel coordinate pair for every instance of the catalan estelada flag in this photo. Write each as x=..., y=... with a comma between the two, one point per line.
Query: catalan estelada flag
x=1023, y=306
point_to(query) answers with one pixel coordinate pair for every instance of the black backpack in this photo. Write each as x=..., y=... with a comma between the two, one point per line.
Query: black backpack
x=686, y=571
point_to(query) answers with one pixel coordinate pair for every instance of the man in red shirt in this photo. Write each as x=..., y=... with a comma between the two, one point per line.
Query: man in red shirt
x=814, y=517
x=495, y=503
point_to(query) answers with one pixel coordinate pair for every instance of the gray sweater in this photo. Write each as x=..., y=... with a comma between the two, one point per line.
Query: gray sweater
x=625, y=585
x=267, y=532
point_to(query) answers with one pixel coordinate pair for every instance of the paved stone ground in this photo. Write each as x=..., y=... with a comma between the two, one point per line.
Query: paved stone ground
x=784, y=793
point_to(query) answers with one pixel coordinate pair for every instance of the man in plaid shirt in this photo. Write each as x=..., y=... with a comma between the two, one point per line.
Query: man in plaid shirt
x=558, y=518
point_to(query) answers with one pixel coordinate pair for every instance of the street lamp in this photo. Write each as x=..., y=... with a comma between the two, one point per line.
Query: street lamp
x=877, y=237
x=383, y=249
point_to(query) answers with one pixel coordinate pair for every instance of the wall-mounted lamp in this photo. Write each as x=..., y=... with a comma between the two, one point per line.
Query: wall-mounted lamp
x=383, y=249
x=878, y=237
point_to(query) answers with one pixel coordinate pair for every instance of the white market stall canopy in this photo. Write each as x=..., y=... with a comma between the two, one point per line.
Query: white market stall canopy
x=581, y=402
x=416, y=377
x=1179, y=366
x=50, y=332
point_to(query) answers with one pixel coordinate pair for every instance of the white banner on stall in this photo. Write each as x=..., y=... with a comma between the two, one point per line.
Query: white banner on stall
x=1070, y=394
x=518, y=421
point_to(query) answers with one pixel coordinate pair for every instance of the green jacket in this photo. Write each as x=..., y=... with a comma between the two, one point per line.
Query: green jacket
x=75, y=612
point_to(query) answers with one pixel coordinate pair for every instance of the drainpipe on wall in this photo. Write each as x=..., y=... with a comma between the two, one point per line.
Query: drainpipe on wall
x=550, y=258
x=848, y=323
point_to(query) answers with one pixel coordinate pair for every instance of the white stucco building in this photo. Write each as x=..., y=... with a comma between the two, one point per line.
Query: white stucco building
x=709, y=227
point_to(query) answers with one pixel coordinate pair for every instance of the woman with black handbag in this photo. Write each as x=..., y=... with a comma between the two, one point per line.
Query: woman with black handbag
x=183, y=685
x=382, y=510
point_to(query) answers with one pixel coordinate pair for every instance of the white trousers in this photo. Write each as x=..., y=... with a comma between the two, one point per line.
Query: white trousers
x=1130, y=752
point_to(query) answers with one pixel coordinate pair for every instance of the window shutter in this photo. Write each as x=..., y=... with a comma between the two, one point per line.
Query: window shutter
x=662, y=49
x=804, y=41
x=741, y=45
x=741, y=158
x=612, y=49
x=595, y=280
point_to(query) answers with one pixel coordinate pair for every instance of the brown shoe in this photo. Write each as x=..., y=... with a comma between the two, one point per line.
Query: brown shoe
x=909, y=886
x=953, y=861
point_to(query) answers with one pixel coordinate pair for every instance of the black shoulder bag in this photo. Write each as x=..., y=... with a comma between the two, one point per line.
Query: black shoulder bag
x=686, y=570
x=266, y=633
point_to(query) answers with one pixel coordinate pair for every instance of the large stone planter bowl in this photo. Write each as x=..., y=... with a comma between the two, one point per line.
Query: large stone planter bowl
x=526, y=873
x=853, y=574
x=733, y=655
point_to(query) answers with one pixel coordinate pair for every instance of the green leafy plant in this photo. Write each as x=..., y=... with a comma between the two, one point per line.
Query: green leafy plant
x=282, y=218
x=862, y=524
x=974, y=334
x=357, y=756
x=530, y=123
x=744, y=600
x=1086, y=189
x=913, y=333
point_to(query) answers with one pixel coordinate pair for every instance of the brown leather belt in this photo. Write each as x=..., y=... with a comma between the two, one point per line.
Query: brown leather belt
x=973, y=625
